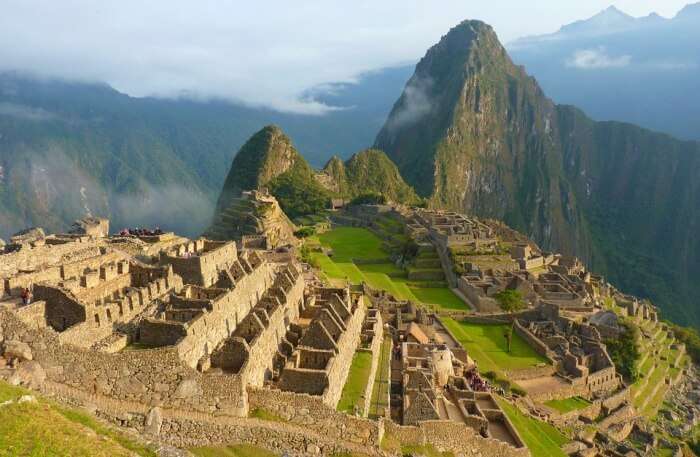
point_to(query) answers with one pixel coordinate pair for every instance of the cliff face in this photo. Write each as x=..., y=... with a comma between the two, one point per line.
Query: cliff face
x=474, y=133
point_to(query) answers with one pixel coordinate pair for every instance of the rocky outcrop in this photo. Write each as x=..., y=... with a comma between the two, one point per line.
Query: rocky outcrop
x=474, y=133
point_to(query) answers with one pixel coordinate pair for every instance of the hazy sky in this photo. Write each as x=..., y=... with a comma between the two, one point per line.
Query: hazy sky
x=260, y=52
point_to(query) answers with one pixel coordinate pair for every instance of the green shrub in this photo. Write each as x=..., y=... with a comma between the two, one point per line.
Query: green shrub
x=305, y=232
x=519, y=391
x=624, y=351
x=690, y=337
x=369, y=198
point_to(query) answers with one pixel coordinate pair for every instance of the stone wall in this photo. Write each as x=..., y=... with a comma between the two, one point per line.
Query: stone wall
x=264, y=348
x=33, y=314
x=312, y=412
x=207, y=331
x=340, y=364
x=534, y=342
x=150, y=377
x=452, y=437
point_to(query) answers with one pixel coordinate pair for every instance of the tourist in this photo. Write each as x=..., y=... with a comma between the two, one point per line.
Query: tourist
x=26, y=296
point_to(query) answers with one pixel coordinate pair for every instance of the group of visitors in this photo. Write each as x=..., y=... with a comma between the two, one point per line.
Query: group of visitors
x=140, y=232
x=476, y=382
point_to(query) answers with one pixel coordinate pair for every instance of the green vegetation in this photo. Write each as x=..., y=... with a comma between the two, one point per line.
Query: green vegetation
x=690, y=337
x=305, y=232
x=298, y=192
x=486, y=344
x=568, y=404
x=358, y=255
x=239, y=450
x=370, y=174
x=510, y=301
x=542, y=439
x=369, y=198
x=352, y=396
x=391, y=444
x=378, y=404
x=624, y=351
x=265, y=415
x=44, y=428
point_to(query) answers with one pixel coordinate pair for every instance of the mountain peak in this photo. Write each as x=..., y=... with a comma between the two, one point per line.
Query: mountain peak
x=691, y=10
x=610, y=17
x=266, y=155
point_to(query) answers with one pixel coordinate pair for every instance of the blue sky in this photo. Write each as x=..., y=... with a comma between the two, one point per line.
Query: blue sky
x=263, y=52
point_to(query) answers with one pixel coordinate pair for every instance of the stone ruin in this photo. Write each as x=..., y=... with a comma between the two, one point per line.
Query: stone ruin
x=255, y=220
x=435, y=376
x=576, y=349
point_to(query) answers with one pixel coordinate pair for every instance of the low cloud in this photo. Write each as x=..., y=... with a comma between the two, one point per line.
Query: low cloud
x=171, y=207
x=25, y=112
x=58, y=191
x=597, y=58
x=415, y=104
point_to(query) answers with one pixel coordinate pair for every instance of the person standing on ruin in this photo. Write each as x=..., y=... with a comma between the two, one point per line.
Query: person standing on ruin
x=26, y=296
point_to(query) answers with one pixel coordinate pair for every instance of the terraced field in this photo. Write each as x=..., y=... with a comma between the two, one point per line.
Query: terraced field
x=356, y=382
x=379, y=403
x=649, y=391
x=541, y=438
x=358, y=255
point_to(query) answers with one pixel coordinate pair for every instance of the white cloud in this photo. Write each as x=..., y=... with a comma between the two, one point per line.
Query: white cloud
x=415, y=104
x=25, y=112
x=597, y=58
x=267, y=52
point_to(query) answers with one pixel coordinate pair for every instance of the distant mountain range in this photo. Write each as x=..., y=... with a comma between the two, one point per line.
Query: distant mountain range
x=616, y=67
x=69, y=148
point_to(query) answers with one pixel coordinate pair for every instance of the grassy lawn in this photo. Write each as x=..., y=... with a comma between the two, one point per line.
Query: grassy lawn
x=356, y=382
x=541, y=438
x=43, y=428
x=381, y=382
x=361, y=245
x=351, y=242
x=487, y=346
x=239, y=450
x=568, y=404
x=441, y=295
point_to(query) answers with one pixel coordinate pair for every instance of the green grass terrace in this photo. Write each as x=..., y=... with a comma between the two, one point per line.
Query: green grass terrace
x=568, y=404
x=356, y=383
x=486, y=344
x=358, y=256
x=541, y=438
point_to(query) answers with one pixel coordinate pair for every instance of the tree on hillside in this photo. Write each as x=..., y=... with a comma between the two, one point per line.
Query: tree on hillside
x=624, y=351
x=510, y=301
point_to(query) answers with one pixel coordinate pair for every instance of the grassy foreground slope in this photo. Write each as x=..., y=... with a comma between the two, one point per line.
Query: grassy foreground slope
x=42, y=428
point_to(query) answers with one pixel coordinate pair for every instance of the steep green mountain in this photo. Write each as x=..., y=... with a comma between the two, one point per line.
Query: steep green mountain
x=269, y=160
x=473, y=132
x=68, y=147
x=368, y=171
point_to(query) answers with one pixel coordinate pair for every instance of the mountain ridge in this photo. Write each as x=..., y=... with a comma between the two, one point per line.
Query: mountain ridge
x=492, y=144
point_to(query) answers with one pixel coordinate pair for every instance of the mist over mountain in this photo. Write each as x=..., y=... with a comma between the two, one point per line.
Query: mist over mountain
x=614, y=66
x=68, y=149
